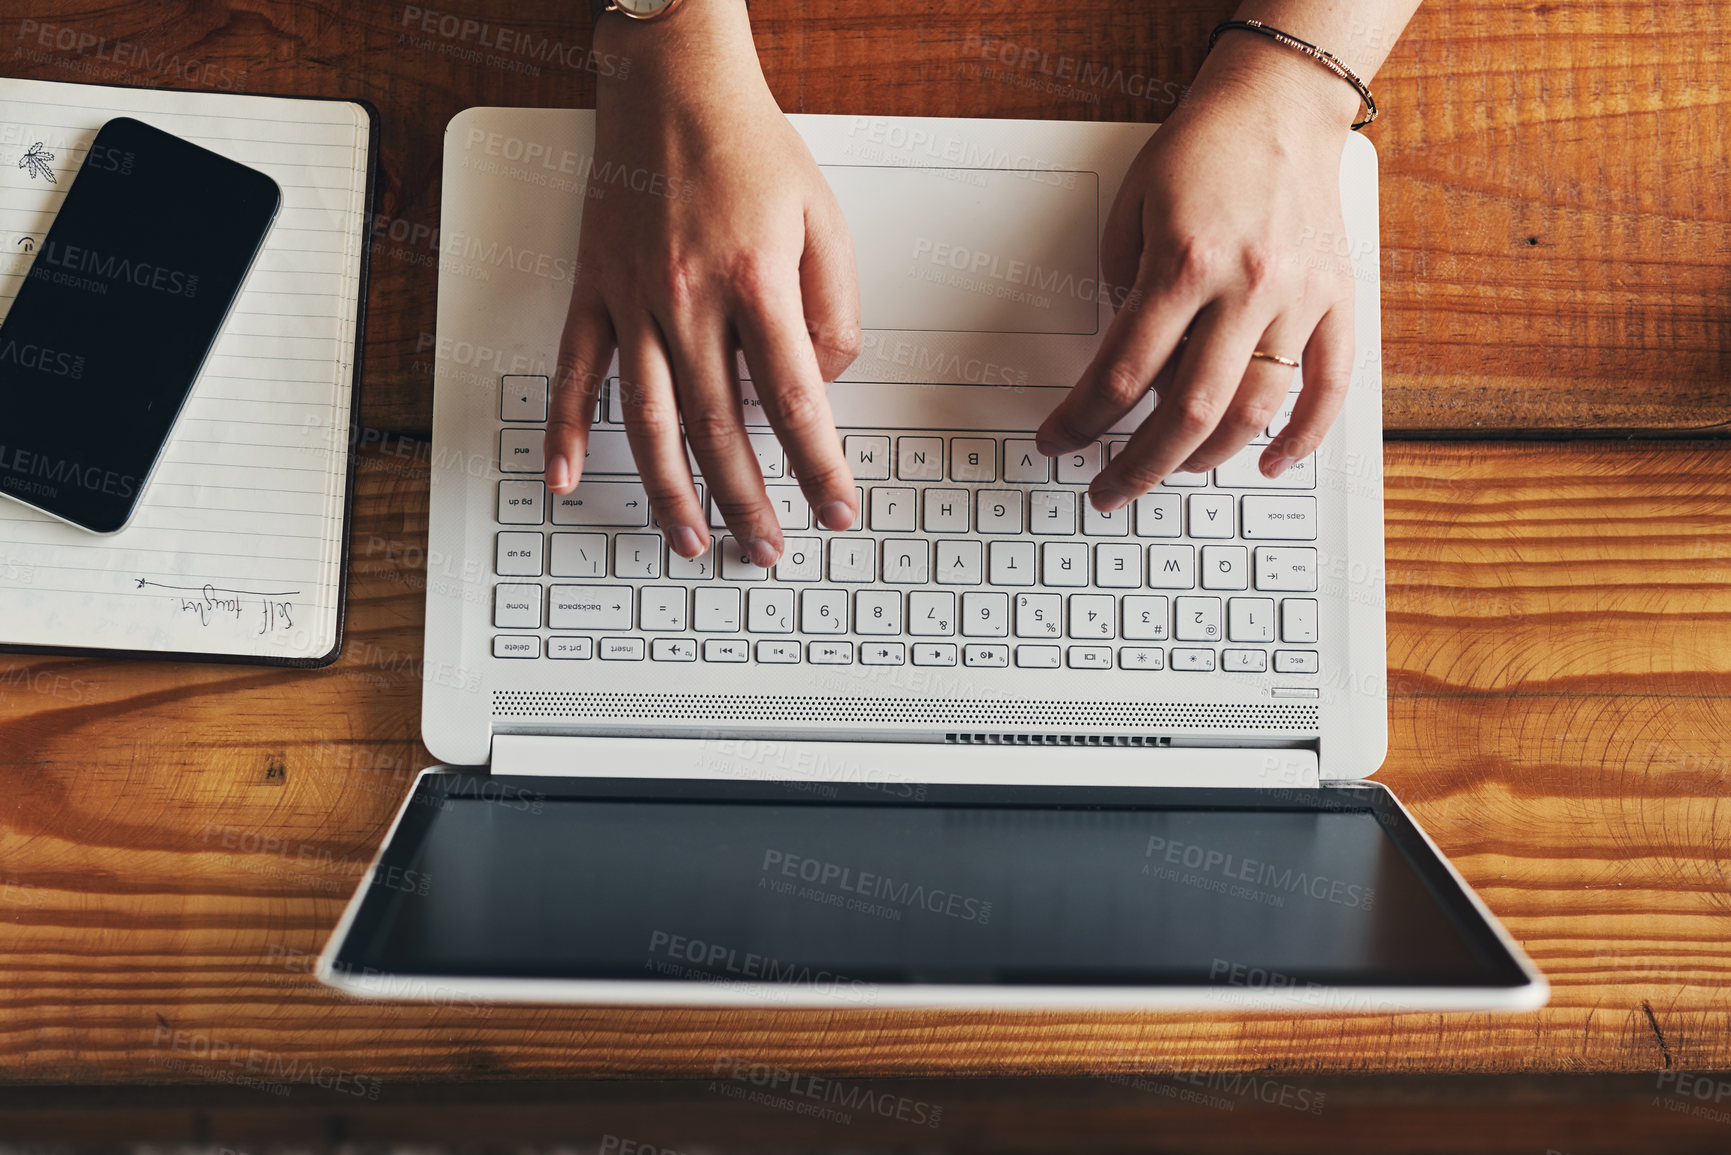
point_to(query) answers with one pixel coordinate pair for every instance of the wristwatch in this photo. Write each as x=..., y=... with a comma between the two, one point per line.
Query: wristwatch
x=636, y=9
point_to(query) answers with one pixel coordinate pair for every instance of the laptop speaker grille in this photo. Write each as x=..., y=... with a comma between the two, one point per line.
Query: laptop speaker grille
x=948, y=714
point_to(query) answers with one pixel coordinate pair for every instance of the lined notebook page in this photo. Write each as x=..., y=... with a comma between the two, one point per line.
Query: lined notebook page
x=236, y=546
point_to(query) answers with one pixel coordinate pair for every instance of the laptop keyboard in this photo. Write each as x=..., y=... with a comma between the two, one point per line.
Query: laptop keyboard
x=971, y=549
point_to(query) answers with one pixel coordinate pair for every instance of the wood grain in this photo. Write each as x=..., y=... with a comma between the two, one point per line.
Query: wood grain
x=1556, y=231
x=1559, y=675
x=1250, y=1114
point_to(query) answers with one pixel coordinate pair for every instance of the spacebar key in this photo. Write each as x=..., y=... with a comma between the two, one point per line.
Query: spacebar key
x=602, y=503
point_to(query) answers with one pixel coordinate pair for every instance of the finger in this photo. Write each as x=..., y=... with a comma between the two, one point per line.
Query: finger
x=1261, y=390
x=829, y=290
x=651, y=412
x=1162, y=383
x=1327, y=375
x=1137, y=343
x=1208, y=373
x=708, y=387
x=786, y=374
x=585, y=349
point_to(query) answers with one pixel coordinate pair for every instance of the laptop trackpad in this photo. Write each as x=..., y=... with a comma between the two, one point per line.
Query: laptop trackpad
x=974, y=250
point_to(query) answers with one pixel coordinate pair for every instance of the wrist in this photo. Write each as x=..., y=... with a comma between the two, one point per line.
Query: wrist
x=1286, y=88
x=699, y=39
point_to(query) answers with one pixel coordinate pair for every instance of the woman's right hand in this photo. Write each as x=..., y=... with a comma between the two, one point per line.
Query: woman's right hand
x=708, y=229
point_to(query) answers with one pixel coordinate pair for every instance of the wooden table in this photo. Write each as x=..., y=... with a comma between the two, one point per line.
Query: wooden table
x=177, y=840
x=1556, y=223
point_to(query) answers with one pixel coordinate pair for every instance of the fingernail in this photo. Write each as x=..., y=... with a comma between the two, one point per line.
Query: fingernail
x=558, y=472
x=761, y=553
x=1275, y=466
x=835, y=515
x=1106, y=501
x=685, y=541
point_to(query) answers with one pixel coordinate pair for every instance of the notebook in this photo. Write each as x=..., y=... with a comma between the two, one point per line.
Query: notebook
x=238, y=548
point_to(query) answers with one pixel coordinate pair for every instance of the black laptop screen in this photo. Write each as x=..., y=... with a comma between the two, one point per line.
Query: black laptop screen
x=744, y=883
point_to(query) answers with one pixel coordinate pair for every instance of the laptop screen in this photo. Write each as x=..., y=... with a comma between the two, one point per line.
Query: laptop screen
x=762, y=883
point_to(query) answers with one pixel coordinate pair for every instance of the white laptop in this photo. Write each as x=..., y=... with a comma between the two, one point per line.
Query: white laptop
x=989, y=747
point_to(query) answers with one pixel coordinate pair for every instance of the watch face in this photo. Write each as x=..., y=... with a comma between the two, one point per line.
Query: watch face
x=643, y=9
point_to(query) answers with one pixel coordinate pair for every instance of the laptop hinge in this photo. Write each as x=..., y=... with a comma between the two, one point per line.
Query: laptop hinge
x=889, y=763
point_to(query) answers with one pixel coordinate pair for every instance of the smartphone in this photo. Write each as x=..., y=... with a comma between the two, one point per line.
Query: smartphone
x=116, y=316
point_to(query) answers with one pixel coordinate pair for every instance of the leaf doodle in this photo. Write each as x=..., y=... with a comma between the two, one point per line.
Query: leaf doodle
x=35, y=162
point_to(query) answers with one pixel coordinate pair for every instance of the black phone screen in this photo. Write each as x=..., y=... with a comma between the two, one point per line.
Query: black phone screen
x=112, y=322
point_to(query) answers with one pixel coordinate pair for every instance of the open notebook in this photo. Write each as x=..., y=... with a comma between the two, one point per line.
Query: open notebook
x=238, y=546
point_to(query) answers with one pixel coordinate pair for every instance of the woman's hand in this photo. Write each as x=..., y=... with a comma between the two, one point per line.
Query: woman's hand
x=738, y=245
x=1209, y=235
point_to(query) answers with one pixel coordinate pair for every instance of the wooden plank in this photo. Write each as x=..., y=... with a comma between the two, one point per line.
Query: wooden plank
x=763, y=1109
x=1555, y=230
x=1560, y=664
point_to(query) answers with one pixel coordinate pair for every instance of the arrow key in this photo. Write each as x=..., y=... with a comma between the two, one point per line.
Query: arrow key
x=523, y=397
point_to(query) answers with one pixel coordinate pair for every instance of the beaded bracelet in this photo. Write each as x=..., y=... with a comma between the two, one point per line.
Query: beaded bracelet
x=1327, y=59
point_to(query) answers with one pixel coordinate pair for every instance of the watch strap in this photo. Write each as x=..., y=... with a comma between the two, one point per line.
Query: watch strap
x=597, y=7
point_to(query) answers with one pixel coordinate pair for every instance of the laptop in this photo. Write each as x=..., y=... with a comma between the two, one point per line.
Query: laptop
x=989, y=747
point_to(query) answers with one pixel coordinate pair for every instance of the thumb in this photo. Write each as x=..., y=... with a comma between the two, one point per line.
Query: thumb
x=829, y=287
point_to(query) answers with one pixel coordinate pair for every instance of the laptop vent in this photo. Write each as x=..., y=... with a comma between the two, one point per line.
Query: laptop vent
x=1136, y=741
x=965, y=720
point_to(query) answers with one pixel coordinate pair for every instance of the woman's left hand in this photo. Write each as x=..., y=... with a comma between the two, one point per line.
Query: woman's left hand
x=1214, y=235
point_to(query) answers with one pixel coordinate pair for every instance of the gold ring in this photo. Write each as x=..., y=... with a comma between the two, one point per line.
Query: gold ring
x=1259, y=355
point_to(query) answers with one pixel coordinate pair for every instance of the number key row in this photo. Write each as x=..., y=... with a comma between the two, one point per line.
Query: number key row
x=924, y=613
